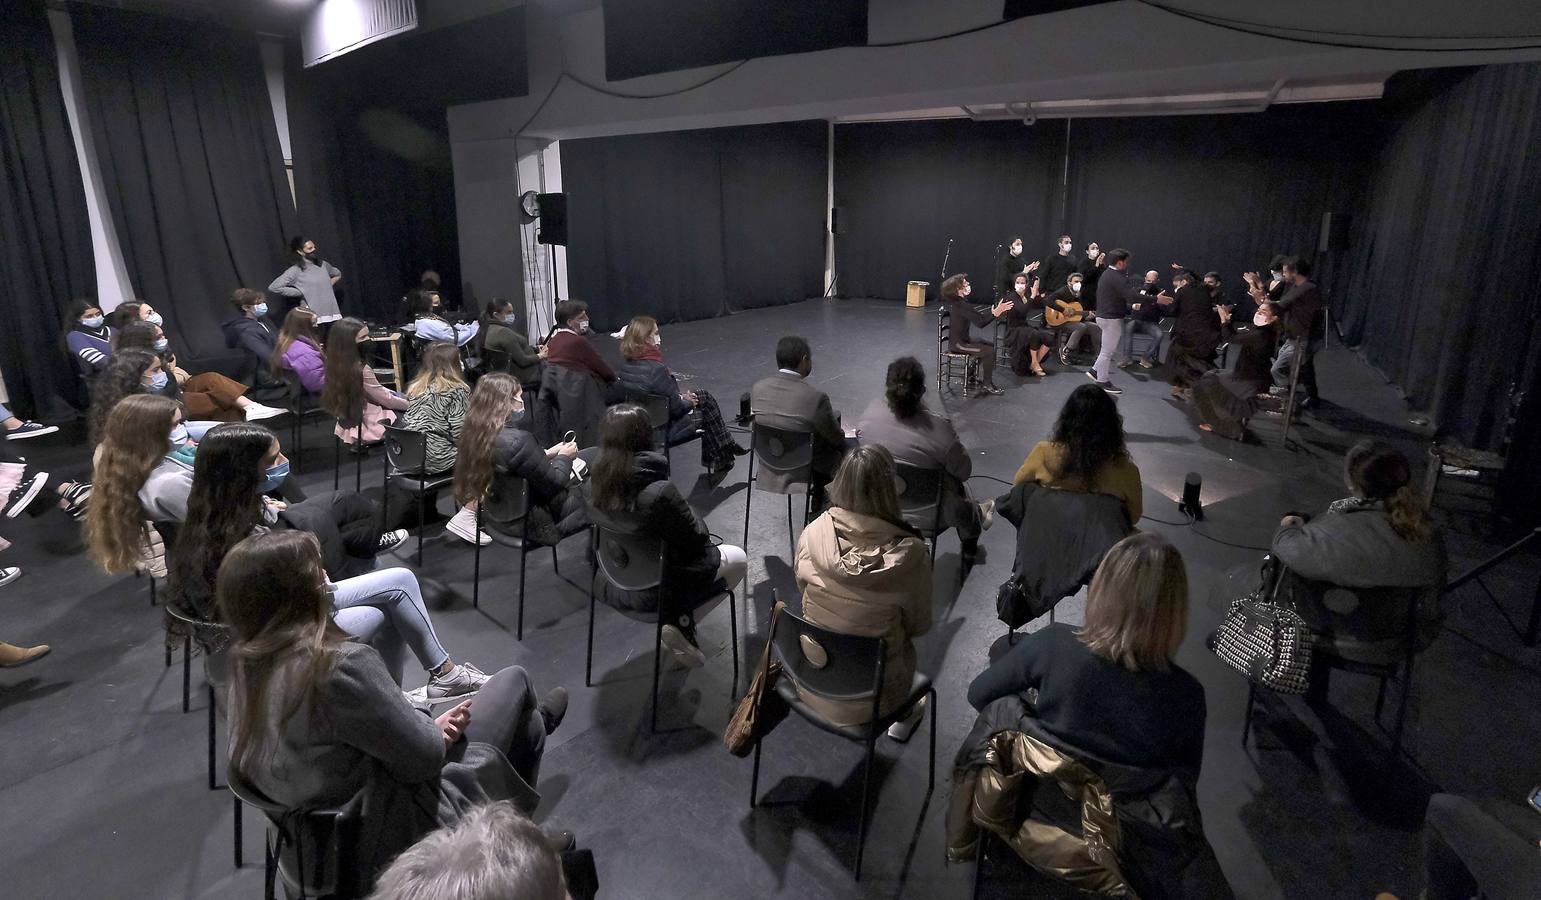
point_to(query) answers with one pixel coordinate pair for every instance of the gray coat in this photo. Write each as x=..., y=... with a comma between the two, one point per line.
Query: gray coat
x=784, y=400
x=926, y=441
x=164, y=494
x=359, y=743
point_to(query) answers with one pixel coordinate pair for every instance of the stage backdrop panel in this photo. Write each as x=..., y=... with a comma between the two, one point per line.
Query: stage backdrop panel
x=905, y=188
x=691, y=224
x=1212, y=192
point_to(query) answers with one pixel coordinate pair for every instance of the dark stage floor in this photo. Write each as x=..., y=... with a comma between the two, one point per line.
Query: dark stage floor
x=102, y=790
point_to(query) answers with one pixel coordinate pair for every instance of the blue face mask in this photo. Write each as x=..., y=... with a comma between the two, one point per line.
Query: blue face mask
x=155, y=319
x=161, y=343
x=510, y=319
x=275, y=477
x=93, y=322
x=179, y=435
x=158, y=381
x=261, y=309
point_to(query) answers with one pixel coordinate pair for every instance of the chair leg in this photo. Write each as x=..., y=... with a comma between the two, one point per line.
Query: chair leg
x=476, y=570
x=523, y=557
x=187, y=652
x=1246, y=721
x=931, y=772
x=152, y=590
x=754, y=778
x=657, y=666
x=269, y=867
x=1380, y=700
x=748, y=496
x=422, y=524
x=212, y=785
x=168, y=655
x=385, y=491
x=861, y=813
x=791, y=529
x=337, y=465
x=588, y=661
x=555, y=567
x=237, y=803
x=733, y=630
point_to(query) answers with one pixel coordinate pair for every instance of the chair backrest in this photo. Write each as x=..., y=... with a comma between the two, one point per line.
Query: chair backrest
x=783, y=452
x=317, y=844
x=628, y=556
x=655, y=405
x=507, y=500
x=496, y=361
x=833, y=665
x=406, y=451
x=920, y=495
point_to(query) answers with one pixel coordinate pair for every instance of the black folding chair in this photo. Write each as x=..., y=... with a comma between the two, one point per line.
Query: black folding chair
x=631, y=559
x=406, y=455
x=302, y=405
x=214, y=674
x=507, y=509
x=313, y=851
x=920, y=499
x=843, y=668
x=783, y=454
x=657, y=408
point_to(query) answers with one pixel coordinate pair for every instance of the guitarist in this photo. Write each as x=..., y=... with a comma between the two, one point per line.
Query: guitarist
x=1063, y=312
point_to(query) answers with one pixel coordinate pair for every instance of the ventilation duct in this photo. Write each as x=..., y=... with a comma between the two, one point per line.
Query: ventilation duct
x=335, y=27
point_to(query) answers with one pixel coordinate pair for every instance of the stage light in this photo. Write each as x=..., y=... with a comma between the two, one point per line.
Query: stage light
x=1190, y=503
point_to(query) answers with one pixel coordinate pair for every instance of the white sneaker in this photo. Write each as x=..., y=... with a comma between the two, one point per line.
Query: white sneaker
x=464, y=679
x=258, y=411
x=685, y=653
x=463, y=526
x=986, y=514
x=902, y=729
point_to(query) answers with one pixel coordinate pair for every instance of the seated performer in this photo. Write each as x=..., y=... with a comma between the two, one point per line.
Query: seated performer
x=955, y=291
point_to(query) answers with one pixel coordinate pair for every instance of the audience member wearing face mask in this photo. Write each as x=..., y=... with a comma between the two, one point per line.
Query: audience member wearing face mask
x=87, y=337
x=500, y=332
x=207, y=396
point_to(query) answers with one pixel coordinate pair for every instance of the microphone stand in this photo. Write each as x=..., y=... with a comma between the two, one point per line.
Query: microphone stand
x=945, y=257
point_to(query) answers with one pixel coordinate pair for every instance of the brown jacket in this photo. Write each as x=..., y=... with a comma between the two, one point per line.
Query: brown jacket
x=864, y=576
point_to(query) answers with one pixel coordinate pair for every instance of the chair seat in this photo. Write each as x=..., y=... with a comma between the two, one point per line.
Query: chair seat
x=410, y=483
x=787, y=689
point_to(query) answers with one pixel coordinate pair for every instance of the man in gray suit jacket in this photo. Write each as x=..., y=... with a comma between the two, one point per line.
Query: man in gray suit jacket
x=786, y=400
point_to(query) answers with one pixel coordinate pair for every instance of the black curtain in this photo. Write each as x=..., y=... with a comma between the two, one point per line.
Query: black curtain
x=692, y=224
x=1213, y=192
x=190, y=163
x=45, y=238
x=1442, y=279
x=372, y=172
x=905, y=189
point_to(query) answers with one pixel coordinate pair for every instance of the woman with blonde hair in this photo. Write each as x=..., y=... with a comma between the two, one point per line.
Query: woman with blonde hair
x=492, y=443
x=137, y=441
x=1111, y=689
x=436, y=404
x=863, y=571
x=689, y=411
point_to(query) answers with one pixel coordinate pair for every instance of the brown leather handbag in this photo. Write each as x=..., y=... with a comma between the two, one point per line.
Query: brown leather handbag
x=751, y=720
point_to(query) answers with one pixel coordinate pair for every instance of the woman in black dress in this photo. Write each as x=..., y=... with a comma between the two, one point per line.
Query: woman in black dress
x=1027, y=341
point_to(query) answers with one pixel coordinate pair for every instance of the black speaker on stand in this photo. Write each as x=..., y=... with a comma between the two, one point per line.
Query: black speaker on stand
x=1332, y=242
x=553, y=232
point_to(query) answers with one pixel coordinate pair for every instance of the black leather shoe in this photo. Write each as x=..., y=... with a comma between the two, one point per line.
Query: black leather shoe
x=553, y=708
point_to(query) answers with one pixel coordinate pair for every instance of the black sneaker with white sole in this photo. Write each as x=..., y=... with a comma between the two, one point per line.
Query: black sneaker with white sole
x=25, y=494
x=1108, y=388
x=390, y=540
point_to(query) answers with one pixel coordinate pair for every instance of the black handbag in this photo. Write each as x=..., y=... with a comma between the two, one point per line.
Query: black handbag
x=1265, y=639
x=1015, y=606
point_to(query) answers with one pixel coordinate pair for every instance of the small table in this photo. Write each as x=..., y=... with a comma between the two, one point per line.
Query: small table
x=394, y=339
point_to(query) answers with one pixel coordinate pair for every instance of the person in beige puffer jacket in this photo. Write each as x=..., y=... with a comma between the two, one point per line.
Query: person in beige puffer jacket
x=862, y=571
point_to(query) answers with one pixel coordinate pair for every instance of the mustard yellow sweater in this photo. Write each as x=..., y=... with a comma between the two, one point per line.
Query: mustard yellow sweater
x=1120, y=478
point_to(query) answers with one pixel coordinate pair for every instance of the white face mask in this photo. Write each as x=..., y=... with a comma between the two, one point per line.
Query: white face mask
x=1075, y=288
x=965, y=291
x=1064, y=248
x=1016, y=249
x=154, y=318
x=657, y=339
x=1277, y=275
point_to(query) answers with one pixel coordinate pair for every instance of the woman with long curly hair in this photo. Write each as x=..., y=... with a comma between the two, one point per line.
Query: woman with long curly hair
x=136, y=441
x=127, y=373
x=315, y=717
x=235, y=462
x=493, y=444
x=353, y=395
x=1087, y=452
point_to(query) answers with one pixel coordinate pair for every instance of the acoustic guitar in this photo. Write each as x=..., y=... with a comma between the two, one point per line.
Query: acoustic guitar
x=1054, y=317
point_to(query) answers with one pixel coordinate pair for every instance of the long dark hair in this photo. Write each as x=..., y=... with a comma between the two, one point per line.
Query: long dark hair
x=343, y=394
x=624, y=432
x=124, y=314
x=222, y=508
x=1091, y=431
x=121, y=378
x=906, y=385
x=1380, y=472
x=269, y=592
x=492, y=402
x=71, y=320
x=492, y=315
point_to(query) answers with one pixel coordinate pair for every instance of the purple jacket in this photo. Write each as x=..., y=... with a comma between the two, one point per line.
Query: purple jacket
x=306, y=361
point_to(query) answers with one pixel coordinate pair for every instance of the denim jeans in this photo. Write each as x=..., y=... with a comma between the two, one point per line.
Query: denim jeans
x=385, y=610
x=1133, y=327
